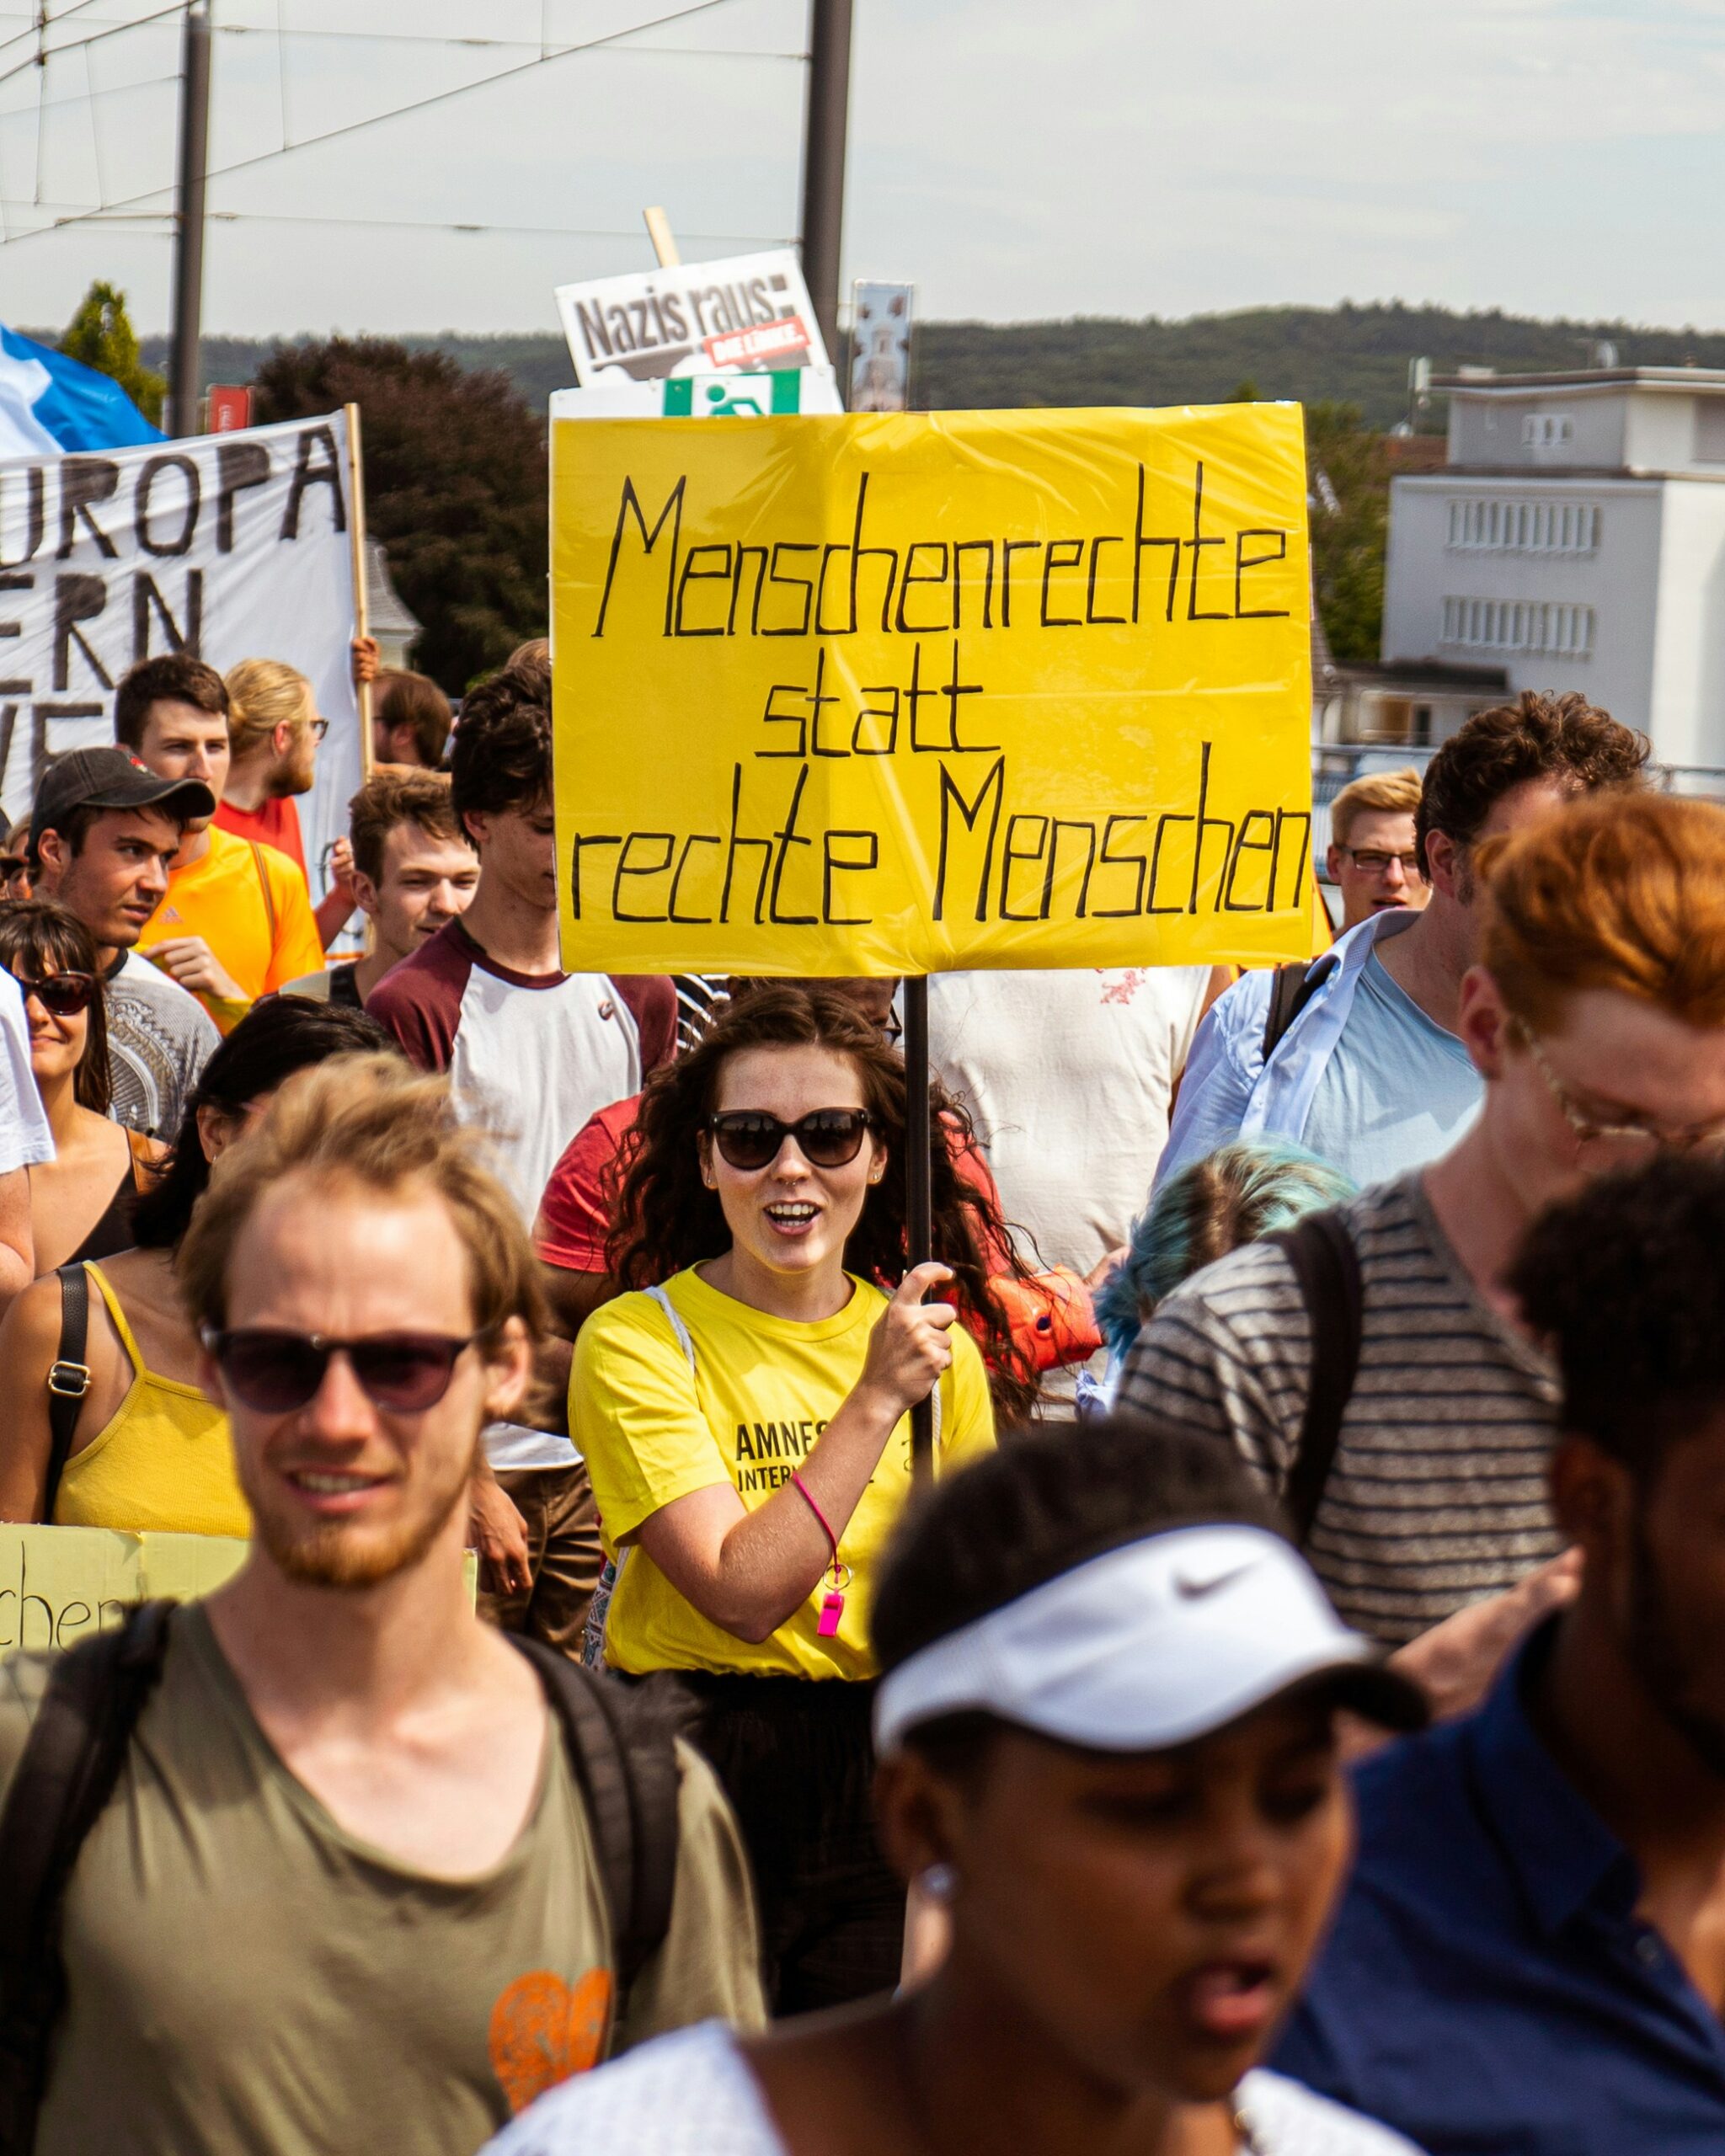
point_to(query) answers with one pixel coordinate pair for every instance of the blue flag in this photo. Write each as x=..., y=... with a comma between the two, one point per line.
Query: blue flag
x=49, y=403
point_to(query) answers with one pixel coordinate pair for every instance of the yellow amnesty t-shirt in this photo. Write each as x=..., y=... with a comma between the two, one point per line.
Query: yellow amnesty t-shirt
x=761, y=1391
x=221, y=897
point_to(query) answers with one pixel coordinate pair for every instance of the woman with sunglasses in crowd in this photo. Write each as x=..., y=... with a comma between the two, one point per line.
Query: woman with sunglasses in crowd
x=81, y=1201
x=143, y=1447
x=745, y=1417
x=1108, y=1749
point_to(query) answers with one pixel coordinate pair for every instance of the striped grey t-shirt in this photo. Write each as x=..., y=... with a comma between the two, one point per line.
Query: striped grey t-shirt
x=1438, y=1492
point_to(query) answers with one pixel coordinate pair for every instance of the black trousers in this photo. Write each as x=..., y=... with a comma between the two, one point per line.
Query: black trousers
x=797, y=1761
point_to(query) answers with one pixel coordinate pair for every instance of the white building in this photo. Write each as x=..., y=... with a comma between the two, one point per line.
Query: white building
x=1577, y=538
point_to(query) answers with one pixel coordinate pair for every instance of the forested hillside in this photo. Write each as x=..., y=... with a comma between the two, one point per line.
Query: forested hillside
x=1345, y=354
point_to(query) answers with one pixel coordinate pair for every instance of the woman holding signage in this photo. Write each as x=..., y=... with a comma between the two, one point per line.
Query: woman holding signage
x=81, y=1201
x=745, y=1415
x=1108, y=1730
x=141, y=1448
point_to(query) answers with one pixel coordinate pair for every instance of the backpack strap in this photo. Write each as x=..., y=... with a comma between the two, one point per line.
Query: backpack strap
x=1292, y=987
x=68, y=1377
x=1327, y=1265
x=69, y=1767
x=626, y=1770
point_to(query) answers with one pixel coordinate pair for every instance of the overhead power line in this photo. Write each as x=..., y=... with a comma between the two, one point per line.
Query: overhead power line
x=105, y=211
x=82, y=44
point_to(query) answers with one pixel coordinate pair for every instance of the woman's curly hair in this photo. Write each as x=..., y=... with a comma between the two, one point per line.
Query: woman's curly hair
x=667, y=1218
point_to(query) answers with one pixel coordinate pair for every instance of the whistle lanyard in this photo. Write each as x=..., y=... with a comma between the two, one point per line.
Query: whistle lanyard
x=832, y=1605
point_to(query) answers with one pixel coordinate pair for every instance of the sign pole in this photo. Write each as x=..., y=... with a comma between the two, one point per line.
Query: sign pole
x=664, y=241
x=357, y=541
x=188, y=218
x=919, y=1222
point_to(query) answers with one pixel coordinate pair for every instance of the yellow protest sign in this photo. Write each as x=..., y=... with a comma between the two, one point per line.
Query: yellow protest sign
x=57, y=1583
x=905, y=693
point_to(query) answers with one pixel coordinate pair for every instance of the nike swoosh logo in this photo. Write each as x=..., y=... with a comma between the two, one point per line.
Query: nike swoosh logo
x=1193, y=1590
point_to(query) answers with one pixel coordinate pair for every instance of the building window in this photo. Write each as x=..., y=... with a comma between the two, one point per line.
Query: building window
x=1508, y=524
x=1547, y=430
x=1553, y=627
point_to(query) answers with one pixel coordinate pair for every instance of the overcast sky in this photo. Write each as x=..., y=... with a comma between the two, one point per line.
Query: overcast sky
x=1016, y=158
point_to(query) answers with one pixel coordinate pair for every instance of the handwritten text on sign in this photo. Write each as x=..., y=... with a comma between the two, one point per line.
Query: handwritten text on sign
x=902, y=694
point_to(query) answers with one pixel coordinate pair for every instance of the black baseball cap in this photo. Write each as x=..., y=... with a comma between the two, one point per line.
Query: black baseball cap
x=112, y=778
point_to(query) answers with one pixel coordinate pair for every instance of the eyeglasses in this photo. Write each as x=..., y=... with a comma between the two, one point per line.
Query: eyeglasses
x=1589, y=1131
x=61, y=995
x=319, y=728
x=827, y=1137
x=1372, y=862
x=277, y=1372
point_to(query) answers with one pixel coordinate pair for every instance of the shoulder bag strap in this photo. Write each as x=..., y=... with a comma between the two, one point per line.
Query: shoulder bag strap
x=628, y=1779
x=658, y=1295
x=592, y=1633
x=1327, y=1265
x=68, y=1377
x=1294, y=986
x=68, y=1770
x=269, y=895
x=139, y=1142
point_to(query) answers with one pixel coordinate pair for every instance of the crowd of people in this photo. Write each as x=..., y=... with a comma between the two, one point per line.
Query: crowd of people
x=1271, y=1708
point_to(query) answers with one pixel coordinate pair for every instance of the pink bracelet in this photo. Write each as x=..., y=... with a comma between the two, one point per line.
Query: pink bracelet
x=802, y=1490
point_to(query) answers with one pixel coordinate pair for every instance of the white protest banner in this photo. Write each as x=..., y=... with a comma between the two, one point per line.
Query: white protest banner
x=703, y=396
x=229, y=546
x=880, y=347
x=751, y=312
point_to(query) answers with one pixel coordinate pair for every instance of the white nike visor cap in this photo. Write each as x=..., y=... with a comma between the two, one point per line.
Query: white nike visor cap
x=1151, y=1646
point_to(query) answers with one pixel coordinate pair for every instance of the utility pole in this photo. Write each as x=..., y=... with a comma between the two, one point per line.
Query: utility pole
x=189, y=217
x=824, y=160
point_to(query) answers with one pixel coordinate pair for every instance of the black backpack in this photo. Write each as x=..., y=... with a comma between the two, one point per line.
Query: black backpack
x=621, y=1746
x=1326, y=1265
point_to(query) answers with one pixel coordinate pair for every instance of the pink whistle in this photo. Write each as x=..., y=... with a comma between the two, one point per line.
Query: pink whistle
x=832, y=1609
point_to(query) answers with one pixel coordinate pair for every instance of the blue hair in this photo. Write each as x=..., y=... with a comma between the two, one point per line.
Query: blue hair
x=1237, y=1194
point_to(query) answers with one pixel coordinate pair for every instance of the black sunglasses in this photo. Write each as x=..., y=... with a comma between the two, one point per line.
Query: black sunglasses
x=827, y=1137
x=277, y=1372
x=62, y=995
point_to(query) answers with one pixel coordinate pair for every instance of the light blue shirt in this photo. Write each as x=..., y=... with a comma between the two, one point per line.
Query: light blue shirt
x=1230, y=1091
x=1397, y=1090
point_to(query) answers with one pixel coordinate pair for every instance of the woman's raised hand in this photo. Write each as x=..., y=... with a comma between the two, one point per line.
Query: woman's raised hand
x=909, y=1348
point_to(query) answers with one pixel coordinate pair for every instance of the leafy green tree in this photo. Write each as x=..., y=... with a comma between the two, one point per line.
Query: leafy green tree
x=455, y=488
x=101, y=335
x=1350, y=485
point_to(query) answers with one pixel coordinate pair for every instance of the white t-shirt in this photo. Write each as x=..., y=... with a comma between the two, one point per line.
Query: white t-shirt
x=24, y=1136
x=1070, y=1077
x=692, y=2094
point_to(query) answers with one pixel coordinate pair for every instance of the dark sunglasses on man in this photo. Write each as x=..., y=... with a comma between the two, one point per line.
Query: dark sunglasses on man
x=278, y=1372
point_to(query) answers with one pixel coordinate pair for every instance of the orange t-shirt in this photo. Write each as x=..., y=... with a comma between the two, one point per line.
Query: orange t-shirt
x=263, y=942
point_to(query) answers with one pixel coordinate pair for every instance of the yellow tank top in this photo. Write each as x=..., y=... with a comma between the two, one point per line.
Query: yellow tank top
x=165, y=1461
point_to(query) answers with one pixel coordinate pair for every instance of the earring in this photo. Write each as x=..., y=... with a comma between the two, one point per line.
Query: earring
x=938, y=1882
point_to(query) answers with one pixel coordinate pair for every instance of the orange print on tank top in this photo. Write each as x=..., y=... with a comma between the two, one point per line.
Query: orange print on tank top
x=542, y=2032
